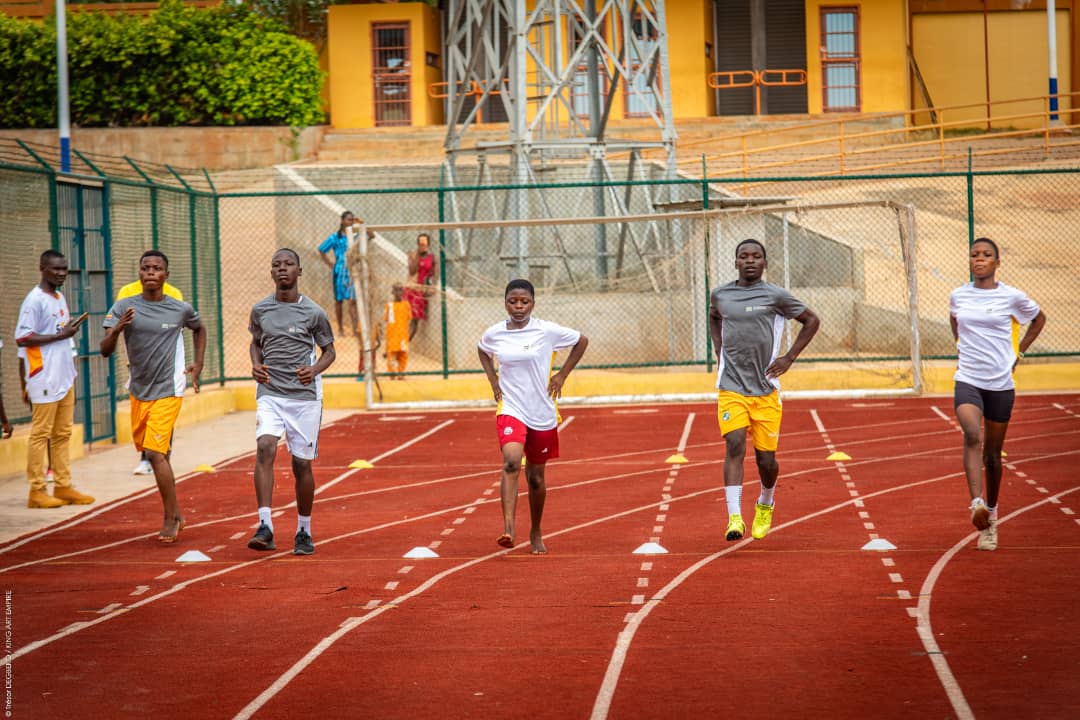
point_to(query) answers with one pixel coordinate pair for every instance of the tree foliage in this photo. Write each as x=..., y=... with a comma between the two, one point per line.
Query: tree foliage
x=178, y=66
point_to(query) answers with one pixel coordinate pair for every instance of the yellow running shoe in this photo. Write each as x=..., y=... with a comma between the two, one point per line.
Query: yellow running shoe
x=736, y=528
x=762, y=520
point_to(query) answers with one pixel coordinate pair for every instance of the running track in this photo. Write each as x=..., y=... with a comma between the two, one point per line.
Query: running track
x=104, y=623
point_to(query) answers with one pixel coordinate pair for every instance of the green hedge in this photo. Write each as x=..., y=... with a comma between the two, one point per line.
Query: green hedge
x=178, y=66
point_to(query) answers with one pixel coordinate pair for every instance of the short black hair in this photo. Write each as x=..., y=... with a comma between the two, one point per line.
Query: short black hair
x=290, y=251
x=520, y=284
x=347, y=212
x=991, y=243
x=49, y=255
x=756, y=242
x=155, y=253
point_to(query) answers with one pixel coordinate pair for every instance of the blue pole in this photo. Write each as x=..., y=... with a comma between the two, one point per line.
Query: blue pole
x=63, y=108
x=1051, y=37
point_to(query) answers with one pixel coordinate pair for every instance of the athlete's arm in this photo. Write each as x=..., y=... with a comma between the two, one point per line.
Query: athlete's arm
x=489, y=369
x=308, y=374
x=810, y=325
x=557, y=380
x=716, y=330
x=195, y=368
x=1034, y=328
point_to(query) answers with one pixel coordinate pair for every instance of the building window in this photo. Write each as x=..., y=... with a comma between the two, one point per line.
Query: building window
x=641, y=101
x=391, y=74
x=840, y=76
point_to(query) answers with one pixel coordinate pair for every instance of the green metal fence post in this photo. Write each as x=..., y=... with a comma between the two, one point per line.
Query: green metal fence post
x=217, y=262
x=970, y=201
x=442, y=275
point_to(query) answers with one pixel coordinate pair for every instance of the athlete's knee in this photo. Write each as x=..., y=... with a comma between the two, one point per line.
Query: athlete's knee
x=735, y=442
x=992, y=459
x=534, y=476
x=766, y=461
x=511, y=465
x=972, y=437
x=265, y=449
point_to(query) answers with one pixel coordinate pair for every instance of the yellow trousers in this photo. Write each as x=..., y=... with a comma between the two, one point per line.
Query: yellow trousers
x=50, y=429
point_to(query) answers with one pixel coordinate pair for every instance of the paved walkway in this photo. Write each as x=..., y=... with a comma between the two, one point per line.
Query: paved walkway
x=105, y=471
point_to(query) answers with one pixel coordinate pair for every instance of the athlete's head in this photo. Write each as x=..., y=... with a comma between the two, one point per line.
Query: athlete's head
x=519, y=299
x=153, y=269
x=423, y=242
x=296, y=255
x=983, y=258
x=347, y=219
x=285, y=268
x=54, y=268
x=750, y=261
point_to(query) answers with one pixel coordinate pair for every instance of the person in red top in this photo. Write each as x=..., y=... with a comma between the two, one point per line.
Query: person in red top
x=421, y=281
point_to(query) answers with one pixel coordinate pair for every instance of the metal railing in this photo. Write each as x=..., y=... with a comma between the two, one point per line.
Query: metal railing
x=757, y=79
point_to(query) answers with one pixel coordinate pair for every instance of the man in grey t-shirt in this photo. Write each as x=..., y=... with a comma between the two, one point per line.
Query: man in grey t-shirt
x=286, y=328
x=151, y=323
x=746, y=321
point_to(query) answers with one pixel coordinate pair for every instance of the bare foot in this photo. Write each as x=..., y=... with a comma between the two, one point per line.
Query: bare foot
x=536, y=540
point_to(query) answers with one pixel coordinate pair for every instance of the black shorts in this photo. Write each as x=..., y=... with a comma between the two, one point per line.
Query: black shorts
x=996, y=405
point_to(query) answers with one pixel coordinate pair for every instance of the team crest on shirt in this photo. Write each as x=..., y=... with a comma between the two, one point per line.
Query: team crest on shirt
x=508, y=431
x=726, y=416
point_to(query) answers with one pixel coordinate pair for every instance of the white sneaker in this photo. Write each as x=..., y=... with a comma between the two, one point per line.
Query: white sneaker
x=143, y=468
x=988, y=537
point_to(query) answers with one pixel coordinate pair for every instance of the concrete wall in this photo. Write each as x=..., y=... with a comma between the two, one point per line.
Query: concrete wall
x=213, y=148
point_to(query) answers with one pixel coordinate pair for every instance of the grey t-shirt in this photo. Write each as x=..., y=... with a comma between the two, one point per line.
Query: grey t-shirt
x=154, y=355
x=288, y=334
x=753, y=323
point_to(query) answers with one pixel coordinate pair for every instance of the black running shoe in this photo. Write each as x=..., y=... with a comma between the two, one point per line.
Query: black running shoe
x=303, y=544
x=263, y=539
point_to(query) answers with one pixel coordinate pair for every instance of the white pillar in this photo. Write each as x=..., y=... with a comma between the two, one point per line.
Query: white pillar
x=63, y=111
x=1051, y=37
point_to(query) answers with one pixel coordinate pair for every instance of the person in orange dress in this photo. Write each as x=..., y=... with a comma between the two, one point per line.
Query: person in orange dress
x=396, y=318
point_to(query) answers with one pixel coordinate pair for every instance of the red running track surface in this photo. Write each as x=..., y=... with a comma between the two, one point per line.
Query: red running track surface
x=105, y=623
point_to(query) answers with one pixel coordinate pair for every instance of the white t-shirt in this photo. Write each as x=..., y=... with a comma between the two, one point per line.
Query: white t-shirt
x=50, y=368
x=988, y=333
x=524, y=357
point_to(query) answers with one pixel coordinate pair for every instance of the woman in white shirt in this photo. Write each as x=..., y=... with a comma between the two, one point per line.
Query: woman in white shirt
x=526, y=390
x=986, y=316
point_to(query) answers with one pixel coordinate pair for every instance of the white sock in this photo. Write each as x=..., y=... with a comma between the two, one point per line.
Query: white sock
x=766, y=496
x=303, y=522
x=264, y=518
x=733, y=493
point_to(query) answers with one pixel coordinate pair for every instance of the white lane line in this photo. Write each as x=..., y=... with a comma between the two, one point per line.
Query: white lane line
x=896, y=578
x=646, y=566
x=940, y=414
x=139, y=590
x=459, y=521
x=109, y=608
x=434, y=544
x=371, y=605
x=566, y=422
x=888, y=562
x=216, y=548
x=926, y=631
x=686, y=431
x=237, y=536
x=112, y=506
x=167, y=573
x=405, y=570
x=388, y=453
x=392, y=585
x=642, y=582
x=606, y=693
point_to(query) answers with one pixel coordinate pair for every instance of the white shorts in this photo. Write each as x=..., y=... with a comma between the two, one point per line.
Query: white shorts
x=297, y=420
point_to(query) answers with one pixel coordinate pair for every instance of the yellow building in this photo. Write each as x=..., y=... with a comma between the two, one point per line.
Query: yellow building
x=742, y=57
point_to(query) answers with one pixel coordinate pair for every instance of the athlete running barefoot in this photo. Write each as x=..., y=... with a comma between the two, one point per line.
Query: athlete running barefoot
x=526, y=391
x=986, y=316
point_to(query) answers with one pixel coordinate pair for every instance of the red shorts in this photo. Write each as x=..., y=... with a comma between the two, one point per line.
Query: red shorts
x=540, y=445
x=417, y=303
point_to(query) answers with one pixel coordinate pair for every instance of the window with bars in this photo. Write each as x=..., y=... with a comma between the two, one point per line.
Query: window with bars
x=391, y=74
x=840, y=84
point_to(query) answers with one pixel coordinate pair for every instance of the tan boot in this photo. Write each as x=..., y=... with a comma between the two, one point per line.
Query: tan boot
x=42, y=499
x=71, y=495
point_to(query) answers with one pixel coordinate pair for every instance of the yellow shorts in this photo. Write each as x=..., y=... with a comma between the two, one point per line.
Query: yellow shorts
x=761, y=414
x=152, y=422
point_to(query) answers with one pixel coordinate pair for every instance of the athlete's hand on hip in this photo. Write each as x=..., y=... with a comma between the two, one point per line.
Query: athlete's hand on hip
x=261, y=373
x=196, y=370
x=778, y=367
x=555, y=385
x=305, y=374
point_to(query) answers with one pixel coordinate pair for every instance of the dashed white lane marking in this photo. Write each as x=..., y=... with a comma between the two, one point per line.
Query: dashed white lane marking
x=167, y=573
x=1067, y=511
x=642, y=582
x=637, y=600
x=434, y=544
x=391, y=585
x=888, y=562
x=489, y=491
x=109, y=608
x=903, y=594
x=896, y=578
x=646, y=566
x=447, y=531
x=405, y=570
x=469, y=510
x=371, y=604
x=139, y=590
x=216, y=548
x=276, y=513
x=237, y=536
x=458, y=521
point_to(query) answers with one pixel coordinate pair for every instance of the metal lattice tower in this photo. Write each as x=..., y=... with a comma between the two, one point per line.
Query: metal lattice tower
x=553, y=69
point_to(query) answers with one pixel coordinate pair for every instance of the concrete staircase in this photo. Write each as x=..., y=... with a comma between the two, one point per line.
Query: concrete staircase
x=425, y=144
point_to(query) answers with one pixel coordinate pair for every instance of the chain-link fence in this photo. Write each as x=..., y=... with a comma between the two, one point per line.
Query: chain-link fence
x=102, y=215
x=629, y=262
